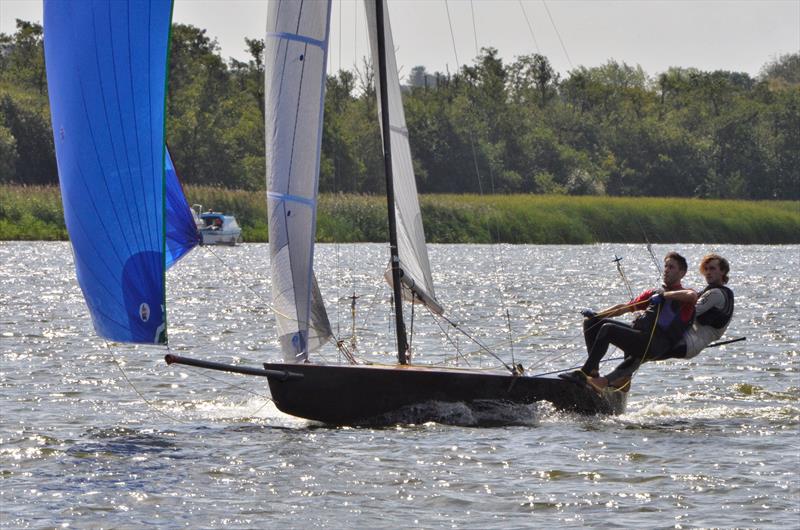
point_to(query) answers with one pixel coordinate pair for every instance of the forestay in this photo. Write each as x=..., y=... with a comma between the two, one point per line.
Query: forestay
x=295, y=59
x=106, y=73
x=416, y=273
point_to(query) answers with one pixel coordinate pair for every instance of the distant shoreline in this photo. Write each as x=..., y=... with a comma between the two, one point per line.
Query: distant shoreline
x=35, y=213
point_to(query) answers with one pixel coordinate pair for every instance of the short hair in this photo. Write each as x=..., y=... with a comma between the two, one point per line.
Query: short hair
x=680, y=259
x=724, y=266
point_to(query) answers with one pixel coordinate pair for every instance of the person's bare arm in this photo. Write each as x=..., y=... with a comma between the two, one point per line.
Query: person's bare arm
x=685, y=297
x=615, y=311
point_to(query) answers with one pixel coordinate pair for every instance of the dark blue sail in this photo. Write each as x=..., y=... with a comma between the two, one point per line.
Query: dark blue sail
x=182, y=234
x=106, y=73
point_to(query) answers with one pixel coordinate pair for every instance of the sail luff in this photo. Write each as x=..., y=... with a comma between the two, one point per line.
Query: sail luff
x=295, y=60
x=412, y=249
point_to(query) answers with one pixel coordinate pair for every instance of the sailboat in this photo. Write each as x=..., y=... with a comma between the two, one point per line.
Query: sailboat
x=96, y=147
x=296, y=45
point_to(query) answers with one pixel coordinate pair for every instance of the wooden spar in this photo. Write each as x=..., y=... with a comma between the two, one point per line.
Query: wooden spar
x=281, y=375
x=402, y=341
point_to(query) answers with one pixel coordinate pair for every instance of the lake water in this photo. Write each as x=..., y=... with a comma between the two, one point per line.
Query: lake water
x=103, y=435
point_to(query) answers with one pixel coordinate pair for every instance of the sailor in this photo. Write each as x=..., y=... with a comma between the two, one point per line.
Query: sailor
x=713, y=309
x=713, y=313
x=668, y=314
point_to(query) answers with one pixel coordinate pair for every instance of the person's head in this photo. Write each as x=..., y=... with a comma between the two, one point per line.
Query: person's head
x=675, y=267
x=715, y=269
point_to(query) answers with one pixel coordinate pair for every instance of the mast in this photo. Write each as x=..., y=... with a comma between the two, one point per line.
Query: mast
x=402, y=341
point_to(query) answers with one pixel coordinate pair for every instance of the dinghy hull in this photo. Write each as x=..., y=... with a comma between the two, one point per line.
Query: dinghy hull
x=351, y=395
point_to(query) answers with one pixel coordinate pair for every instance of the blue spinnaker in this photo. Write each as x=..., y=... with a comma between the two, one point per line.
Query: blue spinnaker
x=182, y=234
x=106, y=74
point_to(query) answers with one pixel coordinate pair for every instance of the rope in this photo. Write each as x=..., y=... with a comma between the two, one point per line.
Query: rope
x=136, y=390
x=530, y=27
x=205, y=374
x=452, y=34
x=269, y=305
x=476, y=341
x=557, y=33
x=474, y=27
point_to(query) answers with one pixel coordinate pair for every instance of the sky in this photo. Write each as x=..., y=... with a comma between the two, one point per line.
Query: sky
x=736, y=35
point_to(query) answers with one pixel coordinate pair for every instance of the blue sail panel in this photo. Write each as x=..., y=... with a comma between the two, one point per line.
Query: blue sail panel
x=182, y=234
x=106, y=73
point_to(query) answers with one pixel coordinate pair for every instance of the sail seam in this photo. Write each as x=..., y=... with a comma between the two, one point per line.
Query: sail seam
x=295, y=37
x=291, y=198
x=401, y=130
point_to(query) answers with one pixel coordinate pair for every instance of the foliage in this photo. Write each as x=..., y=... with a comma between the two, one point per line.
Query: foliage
x=34, y=212
x=490, y=127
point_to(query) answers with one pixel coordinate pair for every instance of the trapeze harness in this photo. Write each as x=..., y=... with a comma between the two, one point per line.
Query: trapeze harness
x=671, y=323
x=716, y=317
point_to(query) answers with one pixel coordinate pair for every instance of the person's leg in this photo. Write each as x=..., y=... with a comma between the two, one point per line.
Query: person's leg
x=621, y=375
x=590, y=328
x=622, y=335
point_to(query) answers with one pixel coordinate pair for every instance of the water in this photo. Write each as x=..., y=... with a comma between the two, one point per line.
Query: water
x=711, y=442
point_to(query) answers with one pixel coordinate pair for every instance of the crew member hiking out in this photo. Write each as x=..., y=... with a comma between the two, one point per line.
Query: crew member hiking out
x=713, y=313
x=668, y=313
x=713, y=309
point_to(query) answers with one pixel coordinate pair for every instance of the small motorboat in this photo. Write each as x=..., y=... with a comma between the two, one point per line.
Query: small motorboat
x=216, y=228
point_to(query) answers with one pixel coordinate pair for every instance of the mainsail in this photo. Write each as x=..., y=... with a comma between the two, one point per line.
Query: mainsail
x=413, y=252
x=106, y=74
x=295, y=59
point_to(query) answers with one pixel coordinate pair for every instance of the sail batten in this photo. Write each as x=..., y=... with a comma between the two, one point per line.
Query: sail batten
x=296, y=56
x=411, y=243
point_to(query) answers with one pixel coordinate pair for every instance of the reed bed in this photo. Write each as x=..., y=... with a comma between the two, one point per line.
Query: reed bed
x=35, y=213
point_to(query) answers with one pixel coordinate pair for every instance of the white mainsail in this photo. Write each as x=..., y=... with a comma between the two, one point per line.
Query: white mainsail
x=413, y=252
x=295, y=58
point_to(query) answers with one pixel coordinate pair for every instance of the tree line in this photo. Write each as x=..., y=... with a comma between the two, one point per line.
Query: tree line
x=491, y=127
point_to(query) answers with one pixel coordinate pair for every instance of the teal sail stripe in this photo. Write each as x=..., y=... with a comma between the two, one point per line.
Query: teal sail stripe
x=106, y=68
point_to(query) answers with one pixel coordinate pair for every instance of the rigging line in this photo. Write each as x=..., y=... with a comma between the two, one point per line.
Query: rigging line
x=652, y=254
x=576, y=367
x=136, y=390
x=452, y=35
x=496, y=235
x=530, y=27
x=618, y=261
x=544, y=2
x=453, y=343
x=599, y=322
x=519, y=339
x=476, y=341
x=205, y=374
x=474, y=27
x=237, y=276
x=475, y=162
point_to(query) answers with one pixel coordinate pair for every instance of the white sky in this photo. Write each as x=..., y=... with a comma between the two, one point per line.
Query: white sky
x=738, y=35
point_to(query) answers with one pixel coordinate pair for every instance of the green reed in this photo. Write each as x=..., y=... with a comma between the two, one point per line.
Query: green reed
x=35, y=213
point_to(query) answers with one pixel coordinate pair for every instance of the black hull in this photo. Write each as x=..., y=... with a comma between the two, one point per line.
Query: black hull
x=352, y=395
